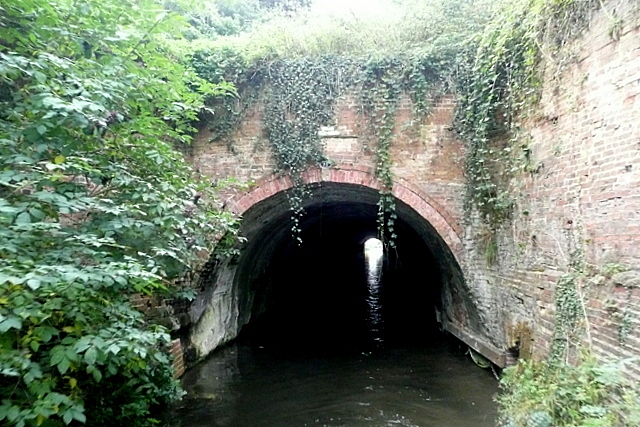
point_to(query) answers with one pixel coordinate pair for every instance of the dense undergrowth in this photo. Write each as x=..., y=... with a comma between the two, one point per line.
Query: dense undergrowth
x=96, y=203
x=586, y=393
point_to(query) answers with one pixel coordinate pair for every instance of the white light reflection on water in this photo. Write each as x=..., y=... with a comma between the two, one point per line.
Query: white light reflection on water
x=373, y=256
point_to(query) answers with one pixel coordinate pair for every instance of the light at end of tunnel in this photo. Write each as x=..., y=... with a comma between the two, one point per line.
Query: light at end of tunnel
x=373, y=248
x=373, y=252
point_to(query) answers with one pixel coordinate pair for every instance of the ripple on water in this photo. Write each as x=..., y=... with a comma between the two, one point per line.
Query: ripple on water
x=432, y=387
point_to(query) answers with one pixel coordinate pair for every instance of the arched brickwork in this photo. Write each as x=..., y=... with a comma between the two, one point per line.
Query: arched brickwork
x=580, y=197
x=342, y=196
x=446, y=226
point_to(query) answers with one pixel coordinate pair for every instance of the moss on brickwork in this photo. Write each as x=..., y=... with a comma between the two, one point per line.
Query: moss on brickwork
x=520, y=339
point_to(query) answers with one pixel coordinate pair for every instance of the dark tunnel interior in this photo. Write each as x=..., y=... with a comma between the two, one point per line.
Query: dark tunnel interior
x=315, y=296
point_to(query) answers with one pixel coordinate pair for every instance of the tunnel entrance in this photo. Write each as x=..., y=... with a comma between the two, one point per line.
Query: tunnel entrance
x=315, y=296
x=310, y=350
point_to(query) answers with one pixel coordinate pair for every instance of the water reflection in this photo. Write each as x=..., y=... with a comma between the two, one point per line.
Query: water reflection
x=246, y=386
x=373, y=257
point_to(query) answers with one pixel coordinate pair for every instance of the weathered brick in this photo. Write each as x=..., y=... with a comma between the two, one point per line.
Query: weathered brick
x=584, y=197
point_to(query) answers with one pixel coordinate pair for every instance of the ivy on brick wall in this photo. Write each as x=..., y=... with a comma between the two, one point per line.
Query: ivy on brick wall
x=301, y=73
x=299, y=96
x=299, y=99
x=499, y=88
x=380, y=87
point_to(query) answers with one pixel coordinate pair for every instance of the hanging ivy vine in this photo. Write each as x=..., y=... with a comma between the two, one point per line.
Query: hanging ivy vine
x=569, y=313
x=227, y=65
x=379, y=97
x=299, y=97
x=499, y=86
x=381, y=85
x=299, y=100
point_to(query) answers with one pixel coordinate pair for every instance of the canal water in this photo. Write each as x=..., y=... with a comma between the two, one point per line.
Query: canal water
x=349, y=356
x=244, y=385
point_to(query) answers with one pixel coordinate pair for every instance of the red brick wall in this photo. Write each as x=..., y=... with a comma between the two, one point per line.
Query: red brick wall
x=580, y=203
x=178, y=358
x=581, y=200
x=149, y=306
x=425, y=155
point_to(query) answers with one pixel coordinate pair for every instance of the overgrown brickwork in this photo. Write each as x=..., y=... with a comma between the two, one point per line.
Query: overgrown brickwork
x=426, y=155
x=577, y=207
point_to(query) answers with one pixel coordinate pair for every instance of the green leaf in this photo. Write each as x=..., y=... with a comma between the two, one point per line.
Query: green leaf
x=95, y=372
x=34, y=284
x=64, y=365
x=79, y=416
x=76, y=125
x=23, y=218
x=59, y=159
x=40, y=77
x=57, y=355
x=12, y=413
x=45, y=332
x=90, y=356
x=113, y=348
x=11, y=322
x=67, y=417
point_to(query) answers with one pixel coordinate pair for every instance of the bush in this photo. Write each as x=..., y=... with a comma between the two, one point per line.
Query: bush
x=588, y=393
x=96, y=204
x=71, y=353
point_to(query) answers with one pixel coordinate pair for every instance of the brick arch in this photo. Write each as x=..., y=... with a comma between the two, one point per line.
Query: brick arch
x=427, y=208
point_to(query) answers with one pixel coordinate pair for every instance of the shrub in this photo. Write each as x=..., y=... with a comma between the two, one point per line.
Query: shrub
x=96, y=203
x=587, y=393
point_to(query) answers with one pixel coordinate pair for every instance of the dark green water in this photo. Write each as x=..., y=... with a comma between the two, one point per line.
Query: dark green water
x=435, y=385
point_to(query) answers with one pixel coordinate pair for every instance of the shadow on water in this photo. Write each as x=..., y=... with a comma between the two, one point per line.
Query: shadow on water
x=345, y=347
x=245, y=385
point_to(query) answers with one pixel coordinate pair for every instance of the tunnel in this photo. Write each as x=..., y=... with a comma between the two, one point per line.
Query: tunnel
x=315, y=296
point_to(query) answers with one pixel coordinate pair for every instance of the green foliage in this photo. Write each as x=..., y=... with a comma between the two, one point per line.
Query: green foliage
x=95, y=204
x=300, y=98
x=491, y=250
x=381, y=29
x=573, y=387
x=72, y=351
x=612, y=268
x=218, y=18
x=380, y=92
x=569, y=313
x=587, y=393
x=301, y=64
x=496, y=70
x=498, y=87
